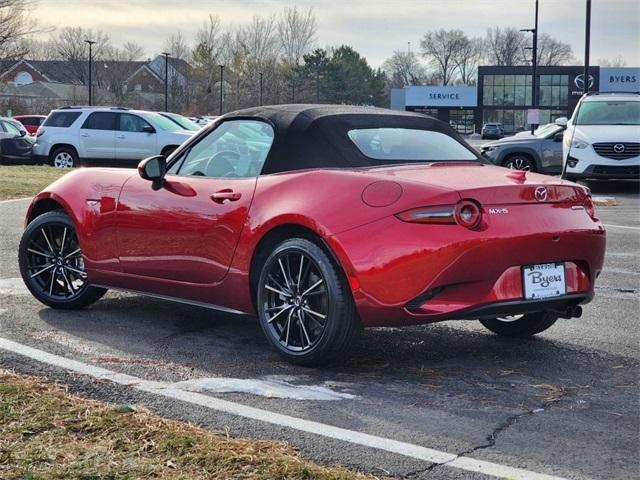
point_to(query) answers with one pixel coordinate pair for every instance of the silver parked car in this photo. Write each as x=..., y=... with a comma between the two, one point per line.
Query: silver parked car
x=540, y=152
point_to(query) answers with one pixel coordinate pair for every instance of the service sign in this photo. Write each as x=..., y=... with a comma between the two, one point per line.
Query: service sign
x=441, y=96
x=619, y=79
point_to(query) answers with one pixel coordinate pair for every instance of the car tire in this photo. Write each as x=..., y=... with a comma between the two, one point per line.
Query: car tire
x=64, y=157
x=304, y=304
x=520, y=326
x=520, y=162
x=51, y=263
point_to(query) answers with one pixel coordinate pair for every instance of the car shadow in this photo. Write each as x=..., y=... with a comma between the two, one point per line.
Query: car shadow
x=450, y=357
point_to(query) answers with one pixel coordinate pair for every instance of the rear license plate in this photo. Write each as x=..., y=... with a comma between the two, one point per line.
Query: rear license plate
x=543, y=281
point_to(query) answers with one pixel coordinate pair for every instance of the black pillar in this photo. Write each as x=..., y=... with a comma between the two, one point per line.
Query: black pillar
x=166, y=80
x=587, y=41
x=221, y=85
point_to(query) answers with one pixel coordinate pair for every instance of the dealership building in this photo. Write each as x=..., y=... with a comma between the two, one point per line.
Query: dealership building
x=503, y=94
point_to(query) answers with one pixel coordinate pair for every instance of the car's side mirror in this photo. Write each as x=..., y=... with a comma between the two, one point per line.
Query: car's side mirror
x=561, y=121
x=23, y=133
x=148, y=129
x=153, y=169
x=558, y=136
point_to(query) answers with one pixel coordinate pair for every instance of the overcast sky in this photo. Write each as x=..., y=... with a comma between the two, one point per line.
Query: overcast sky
x=375, y=28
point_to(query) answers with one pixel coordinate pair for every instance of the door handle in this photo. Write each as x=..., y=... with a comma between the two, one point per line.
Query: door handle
x=226, y=194
x=84, y=134
x=120, y=136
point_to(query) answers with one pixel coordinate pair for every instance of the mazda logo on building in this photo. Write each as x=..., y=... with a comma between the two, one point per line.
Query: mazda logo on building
x=579, y=81
x=618, y=148
x=541, y=193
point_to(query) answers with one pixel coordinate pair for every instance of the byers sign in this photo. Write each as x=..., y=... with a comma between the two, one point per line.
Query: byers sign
x=619, y=79
x=436, y=96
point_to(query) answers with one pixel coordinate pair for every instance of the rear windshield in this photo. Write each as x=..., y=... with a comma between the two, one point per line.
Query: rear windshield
x=61, y=119
x=615, y=112
x=403, y=144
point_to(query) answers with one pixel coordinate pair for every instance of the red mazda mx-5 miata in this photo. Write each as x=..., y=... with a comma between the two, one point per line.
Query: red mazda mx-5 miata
x=321, y=220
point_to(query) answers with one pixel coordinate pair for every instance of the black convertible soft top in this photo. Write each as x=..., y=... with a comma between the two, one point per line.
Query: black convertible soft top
x=315, y=136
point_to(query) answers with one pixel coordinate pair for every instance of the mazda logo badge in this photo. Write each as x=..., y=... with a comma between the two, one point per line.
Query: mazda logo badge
x=541, y=194
x=578, y=81
x=618, y=148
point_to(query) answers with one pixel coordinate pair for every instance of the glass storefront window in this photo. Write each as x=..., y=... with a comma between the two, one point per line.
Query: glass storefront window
x=498, y=95
x=487, y=95
x=520, y=79
x=498, y=79
x=488, y=80
x=520, y=97
x=462, y=121
x=545, y=79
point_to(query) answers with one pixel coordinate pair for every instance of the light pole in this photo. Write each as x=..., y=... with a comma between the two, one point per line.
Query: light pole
x=90, y=42
x=221, y=85
x=534, y=64
x=587, y=41
x=166, y=80
x=260, y=89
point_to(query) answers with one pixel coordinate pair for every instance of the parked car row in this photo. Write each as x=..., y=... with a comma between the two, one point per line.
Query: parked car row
x=71, y=136
x=600, y=141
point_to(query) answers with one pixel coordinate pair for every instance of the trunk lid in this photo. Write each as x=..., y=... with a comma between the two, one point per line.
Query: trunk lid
x=488, y=184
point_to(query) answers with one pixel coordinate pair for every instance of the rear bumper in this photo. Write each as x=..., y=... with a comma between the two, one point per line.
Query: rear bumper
x=413, y=274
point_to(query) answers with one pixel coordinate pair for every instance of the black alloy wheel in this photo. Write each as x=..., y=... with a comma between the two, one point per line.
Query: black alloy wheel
x=51, y=263
x=304, y=304
x=520, y=326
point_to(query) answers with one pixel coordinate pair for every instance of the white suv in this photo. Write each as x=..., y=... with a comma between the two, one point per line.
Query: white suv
x=602, y=139
x=73, y=135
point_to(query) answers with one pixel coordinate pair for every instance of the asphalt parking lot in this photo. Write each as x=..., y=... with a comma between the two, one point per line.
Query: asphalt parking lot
x=563, y=404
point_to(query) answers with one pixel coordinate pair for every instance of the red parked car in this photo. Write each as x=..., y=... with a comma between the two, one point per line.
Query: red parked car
x=321, y=220
x=31, y=122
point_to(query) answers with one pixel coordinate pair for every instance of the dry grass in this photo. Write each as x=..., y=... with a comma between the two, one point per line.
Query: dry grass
x=18, y=181
x=47, y=433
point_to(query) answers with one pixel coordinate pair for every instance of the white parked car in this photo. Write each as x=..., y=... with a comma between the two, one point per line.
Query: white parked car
x=73, y=135
x=602, y=139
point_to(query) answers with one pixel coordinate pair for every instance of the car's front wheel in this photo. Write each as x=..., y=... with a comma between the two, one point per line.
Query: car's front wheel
x=520, y=325
x=51, y=263
x=520, y=162
x=304, y=304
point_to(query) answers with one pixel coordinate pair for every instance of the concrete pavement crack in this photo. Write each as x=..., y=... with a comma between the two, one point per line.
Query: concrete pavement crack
x=493, y=436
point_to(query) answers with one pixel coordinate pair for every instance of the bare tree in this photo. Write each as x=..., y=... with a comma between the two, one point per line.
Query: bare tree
x=505, y=46
x=553, y=52
x=177, y=46
x=616, y=62
x=42, y=50
x=15, y=26
x=296, y=33
x=467, y=59
x=403, y=68
x=206, y=57
x=131, y=51
x=440, y=49
x=70, y=46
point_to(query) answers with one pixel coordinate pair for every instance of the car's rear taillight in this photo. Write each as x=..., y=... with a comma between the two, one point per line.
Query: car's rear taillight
x=466, y=213
x=39, y=132
x=589, y=207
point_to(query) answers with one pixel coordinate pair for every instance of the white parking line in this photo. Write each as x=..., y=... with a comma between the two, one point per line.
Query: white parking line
x=609, y=225
x=167, y=390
